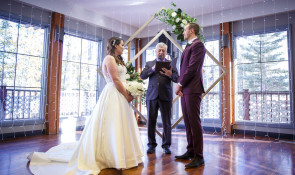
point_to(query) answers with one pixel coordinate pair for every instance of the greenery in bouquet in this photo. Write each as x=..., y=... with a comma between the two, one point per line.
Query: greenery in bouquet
x=135, y=84
x=177, y=19
x=133, y=75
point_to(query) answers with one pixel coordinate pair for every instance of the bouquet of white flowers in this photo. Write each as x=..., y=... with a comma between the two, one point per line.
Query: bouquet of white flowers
x=135, y=85
x=135, y=88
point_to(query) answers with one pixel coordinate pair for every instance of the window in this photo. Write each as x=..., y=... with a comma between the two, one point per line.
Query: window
x=79, y=82
x=125, y=54
x=262, y=82
x=150, y=54
x=210, y=107
x=22, y=67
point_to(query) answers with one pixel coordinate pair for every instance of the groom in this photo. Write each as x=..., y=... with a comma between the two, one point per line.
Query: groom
x=190, y=88
x=159, y=95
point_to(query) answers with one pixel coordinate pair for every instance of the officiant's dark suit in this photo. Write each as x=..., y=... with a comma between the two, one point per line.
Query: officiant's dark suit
x=159, y=95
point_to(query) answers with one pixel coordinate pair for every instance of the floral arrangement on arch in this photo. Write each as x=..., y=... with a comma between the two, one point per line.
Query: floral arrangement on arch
x=135, y=85
x=177, y=19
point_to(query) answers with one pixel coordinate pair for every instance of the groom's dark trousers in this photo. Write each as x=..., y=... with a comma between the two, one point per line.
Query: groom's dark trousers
x=190, y=78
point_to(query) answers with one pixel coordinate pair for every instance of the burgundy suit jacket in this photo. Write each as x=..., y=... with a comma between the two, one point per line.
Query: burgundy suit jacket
x=191, y=64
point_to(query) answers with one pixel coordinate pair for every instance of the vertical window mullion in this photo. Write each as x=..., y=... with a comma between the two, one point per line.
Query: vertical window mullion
x=15, y=69
x=80, y=76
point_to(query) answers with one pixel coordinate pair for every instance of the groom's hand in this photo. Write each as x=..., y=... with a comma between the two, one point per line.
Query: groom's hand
x=178, y=90
x=180, y=93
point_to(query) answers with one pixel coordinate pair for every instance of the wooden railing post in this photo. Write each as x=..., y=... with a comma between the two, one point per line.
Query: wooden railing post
x=3, y=94
x=246, y=104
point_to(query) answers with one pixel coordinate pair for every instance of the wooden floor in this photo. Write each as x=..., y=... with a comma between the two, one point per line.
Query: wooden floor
x=223, y=155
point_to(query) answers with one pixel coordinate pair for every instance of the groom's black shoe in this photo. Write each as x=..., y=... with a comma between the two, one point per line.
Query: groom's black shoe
x=167, y=150
x=186, y=155
x=196, y=162
x=151, y=150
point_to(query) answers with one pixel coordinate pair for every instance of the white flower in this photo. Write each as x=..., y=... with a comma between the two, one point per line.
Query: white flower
x=173, y=27
x=135, y=88
x=177, y=20
x=173, y=14
x=182, y=25
x=184, y=21
x=127, y=76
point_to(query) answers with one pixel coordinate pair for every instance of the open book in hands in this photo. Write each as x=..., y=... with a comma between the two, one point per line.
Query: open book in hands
x=162, y=64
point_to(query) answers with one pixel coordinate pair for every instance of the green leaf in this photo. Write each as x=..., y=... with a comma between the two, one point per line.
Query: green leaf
x=179, y=37
x=177, y=32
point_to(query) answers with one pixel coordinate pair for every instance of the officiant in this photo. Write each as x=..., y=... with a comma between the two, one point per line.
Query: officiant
x=159, y=96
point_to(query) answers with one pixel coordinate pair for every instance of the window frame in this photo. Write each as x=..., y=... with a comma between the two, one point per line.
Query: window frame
x=268, y=30
x=44, y=72
x=215, y=120
x=83, y=36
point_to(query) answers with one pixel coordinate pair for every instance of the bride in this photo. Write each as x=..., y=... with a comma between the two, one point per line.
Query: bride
x=111, y=137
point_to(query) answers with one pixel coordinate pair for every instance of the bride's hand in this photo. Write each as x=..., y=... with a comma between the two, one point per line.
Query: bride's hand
x=130, y=98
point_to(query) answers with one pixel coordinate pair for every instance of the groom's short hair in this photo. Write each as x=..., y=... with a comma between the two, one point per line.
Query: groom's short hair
x=195, y=27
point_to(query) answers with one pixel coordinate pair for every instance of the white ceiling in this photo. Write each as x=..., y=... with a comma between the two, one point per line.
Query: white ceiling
x=126, y=16
x=141, y=10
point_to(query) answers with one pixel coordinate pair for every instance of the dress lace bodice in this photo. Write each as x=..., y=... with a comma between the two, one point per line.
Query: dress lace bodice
x=121, y=73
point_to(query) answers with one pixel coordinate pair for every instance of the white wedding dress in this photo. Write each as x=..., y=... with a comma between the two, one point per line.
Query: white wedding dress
x=110, y=139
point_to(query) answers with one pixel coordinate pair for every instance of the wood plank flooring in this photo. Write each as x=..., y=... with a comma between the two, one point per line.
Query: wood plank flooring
x=233, y=155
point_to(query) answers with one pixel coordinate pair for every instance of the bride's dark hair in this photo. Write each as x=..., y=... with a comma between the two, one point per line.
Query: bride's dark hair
x=111, y=49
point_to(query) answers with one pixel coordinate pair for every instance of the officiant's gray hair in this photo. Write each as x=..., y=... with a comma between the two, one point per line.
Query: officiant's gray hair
x=161, y=44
